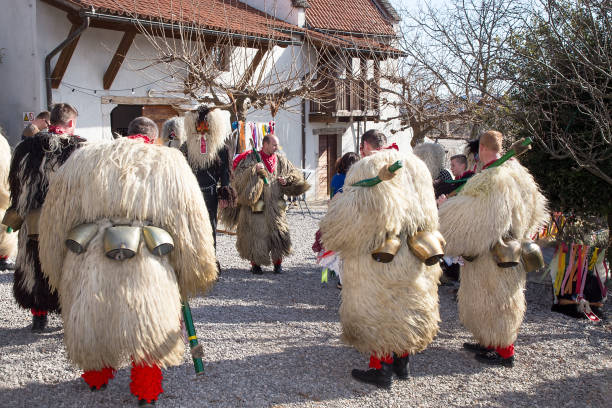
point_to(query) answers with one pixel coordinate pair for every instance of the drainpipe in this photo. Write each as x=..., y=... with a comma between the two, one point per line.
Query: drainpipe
x=303, y=133
x=57, y=49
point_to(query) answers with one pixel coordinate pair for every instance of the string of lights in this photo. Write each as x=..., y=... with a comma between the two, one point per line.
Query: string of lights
x=85, y=90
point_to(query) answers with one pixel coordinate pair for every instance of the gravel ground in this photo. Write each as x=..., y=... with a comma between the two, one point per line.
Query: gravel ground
x=272, y=341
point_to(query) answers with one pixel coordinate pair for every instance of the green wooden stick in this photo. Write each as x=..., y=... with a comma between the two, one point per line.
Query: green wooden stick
x=519, y=147
x=258, y=158
x=375, y=180
x=193, y=338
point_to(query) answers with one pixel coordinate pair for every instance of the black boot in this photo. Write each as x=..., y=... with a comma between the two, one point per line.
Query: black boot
x=475, y=347
x=94, y=388
x=492, y=358
x=400, y=366
x=278, y=268
x=380, y=378
x=256, y=270
x=144, y=403
x=6, y=265
x=39, y=323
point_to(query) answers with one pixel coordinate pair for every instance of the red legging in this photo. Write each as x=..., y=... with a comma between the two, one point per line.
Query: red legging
x=145, y=385
x=375, y=361
x=505, y=352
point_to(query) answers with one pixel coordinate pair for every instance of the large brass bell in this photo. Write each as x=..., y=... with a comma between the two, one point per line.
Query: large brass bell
x=428, y=246
x=32, y=218
x=12, y=219
x=121, y=242
x=531, y=255
x=258, y=207
x=158, y=240
x=387, y=251
x=80, y=236
x=507, y=254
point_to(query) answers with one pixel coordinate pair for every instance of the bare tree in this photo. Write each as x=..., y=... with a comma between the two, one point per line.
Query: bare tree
x=561, y=72
x=228, y=69
x=453, y=56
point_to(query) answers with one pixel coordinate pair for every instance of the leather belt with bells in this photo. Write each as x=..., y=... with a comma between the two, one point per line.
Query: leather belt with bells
x=121, y=241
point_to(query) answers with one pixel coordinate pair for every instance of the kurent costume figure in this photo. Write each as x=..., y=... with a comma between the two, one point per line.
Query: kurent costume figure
x=173, y=132
x=8, y=240
x=124, y=239
x=260, y=215
x=389, y=303
x=434, y=156
x=205, y=134
x=35, y=159
x=489, y=223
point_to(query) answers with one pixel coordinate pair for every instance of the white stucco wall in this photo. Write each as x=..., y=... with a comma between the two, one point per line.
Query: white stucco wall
x=31, y=32
x=85, y=72
x=21, y=66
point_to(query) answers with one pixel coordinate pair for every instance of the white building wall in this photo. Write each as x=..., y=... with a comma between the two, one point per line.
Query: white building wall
x=21, y=66
x=82, y=84
x=22, y=75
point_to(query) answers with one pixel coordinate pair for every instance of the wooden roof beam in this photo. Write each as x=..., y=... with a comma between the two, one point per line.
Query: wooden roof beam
x=64, y=59
x=115, y=64
x=248, y=74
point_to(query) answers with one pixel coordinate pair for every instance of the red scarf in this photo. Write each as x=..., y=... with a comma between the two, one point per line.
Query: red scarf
x=392, y=146
x=239, y=158
x=143, y=137
x=268, y=161
x=56, y=129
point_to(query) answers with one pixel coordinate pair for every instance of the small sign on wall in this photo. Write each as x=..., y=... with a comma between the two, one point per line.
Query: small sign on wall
x=28, y=117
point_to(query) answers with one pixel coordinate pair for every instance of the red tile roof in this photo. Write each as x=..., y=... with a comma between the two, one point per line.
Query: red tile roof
x=222, y=15
x=355, y=16
x=233, y=16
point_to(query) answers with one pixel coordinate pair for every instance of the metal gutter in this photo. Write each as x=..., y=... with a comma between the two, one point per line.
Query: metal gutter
x=57, y=49
x=172, y=26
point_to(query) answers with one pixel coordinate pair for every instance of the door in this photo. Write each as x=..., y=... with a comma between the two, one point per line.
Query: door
x=159, y=114
x=122, y=115
x=326, y=166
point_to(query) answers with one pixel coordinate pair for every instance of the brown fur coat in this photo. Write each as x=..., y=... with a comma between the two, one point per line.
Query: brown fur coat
x=497, y=202
x=117, y=310
x=262, y=238
x=386, y=307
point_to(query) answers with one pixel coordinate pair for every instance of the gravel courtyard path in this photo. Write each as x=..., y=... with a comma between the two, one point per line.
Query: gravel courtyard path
x=272, y=341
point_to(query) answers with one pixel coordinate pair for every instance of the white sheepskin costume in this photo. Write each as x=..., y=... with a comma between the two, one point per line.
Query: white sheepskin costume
x=433, y=155
x=386, y=307
x=114, y=311
x=173, y=132
x=499, y=202
x=8, y=240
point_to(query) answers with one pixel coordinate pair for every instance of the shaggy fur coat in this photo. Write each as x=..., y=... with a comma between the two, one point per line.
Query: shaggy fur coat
x=34, y=161
x=173, y=132
x=386, y=307
x=433, y=155
x=499, y=202
x=264, y=237
x=117, y=310
x=8, y=240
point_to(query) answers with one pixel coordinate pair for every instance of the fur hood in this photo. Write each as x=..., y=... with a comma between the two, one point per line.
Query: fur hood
x=173, y=132
x=218, y=132
x=433, y=155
